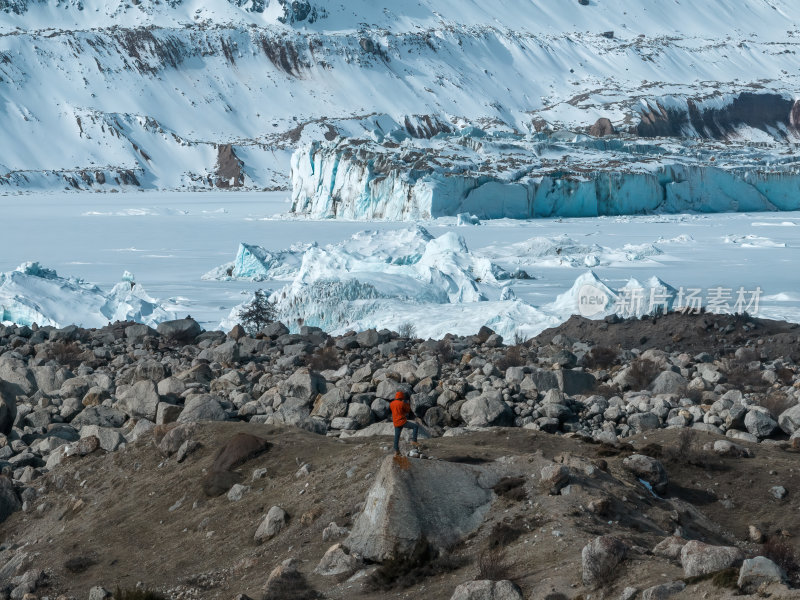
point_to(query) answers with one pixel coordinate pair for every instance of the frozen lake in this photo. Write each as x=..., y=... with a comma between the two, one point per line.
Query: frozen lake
x=169, y=240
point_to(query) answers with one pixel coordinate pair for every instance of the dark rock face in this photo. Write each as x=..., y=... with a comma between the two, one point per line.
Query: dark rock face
x=230, y=169
x=766, y=112
x=602, y=128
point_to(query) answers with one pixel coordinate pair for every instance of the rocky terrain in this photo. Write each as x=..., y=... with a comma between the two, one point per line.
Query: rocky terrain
x=601, y=459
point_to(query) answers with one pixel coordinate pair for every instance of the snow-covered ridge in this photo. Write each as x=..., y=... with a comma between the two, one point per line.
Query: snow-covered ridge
x=197, y=75
x=542, y=175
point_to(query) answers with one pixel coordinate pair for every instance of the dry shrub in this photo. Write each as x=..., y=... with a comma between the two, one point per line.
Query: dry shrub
x=444, y=348
x=407, y=330
x=66, y=353
x=740, y=376
x=492, y=564
x=642, y=373
x=686, y=451
x=606, y=390
x=782, y=554
x=290, y=586
x=601, y=357
x=511, y=488
x=137, y=594
x=512, y=358
x=324, y=359
x=504, y=534
x=406, y=570
x=79, y=564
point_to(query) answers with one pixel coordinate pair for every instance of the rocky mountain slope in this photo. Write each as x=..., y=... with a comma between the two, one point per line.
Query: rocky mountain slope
x=219, y=93
x=558, y=468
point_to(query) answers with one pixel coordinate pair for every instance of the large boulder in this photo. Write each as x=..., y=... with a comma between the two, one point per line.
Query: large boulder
x=574, y=382
x=648, y=469
x=698, y=558
x=337, y=561
x=758, y=571
x=487, y=590
x=412, y=499
x=600, y=558
x=669, y=382
x=271, y=525
x=180, y=330
x=9, y=501
x=137, y=332
x=16, y=376
x=789, y=420
x=387, y=429
x=8, y=409
x=202, y=407
x=331, y=405
x=140, y=400
x=304, y=384
x=760, y=423
x=486, y=410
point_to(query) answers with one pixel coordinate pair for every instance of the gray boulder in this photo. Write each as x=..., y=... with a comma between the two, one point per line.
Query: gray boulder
x=487, y=410
x=574, y=382
x=180, y=330
x=140, y=400
x=202, y=407
x=758, y=571
x=110, y=439
x=544, y=379
x=331, y=405
x=104, y=416
x=303, y=384
x=759, y=423
x=487, y=590
x=439, y=500
x=648, y=469
x=669, y=382
x=8, y=410
x=337, y=561
x=271, y=525
x=663, y=591
x=644, y=421
x=135, y=334
x=9, y=501
x=698, y=558
x=789, y=420
x=600, y=558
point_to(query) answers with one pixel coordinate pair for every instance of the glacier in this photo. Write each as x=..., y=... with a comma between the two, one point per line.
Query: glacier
x=541, y=175
x=32, y=294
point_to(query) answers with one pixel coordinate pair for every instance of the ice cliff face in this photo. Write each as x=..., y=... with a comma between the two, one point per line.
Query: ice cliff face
x=543, y=175
x=220, y=93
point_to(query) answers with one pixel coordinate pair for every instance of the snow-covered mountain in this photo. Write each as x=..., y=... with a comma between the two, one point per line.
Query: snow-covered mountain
x=103, y=94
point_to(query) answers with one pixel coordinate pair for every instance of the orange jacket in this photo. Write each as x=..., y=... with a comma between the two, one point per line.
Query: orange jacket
x=400, y=410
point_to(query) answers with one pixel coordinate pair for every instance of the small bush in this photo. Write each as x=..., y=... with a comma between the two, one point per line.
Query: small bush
x=782, y=554
x=685, y=451
x=407, y=330
x=257, y=314
x=492, y=565
x=444, y=348
x=407, y=570
x=512, y=358
x=727, y=578
x=642, y=373
x=740, y=376
x=137, y=594
x=79, y=564
x=291, y=586
x=504, y=534
x=324, y=359
x=601, y=357
x=511, y=488
x=68, y=354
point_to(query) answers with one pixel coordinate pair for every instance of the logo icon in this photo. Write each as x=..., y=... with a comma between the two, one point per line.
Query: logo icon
x=591, y=300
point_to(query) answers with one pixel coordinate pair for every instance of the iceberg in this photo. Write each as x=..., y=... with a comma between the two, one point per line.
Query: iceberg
x=34, y=294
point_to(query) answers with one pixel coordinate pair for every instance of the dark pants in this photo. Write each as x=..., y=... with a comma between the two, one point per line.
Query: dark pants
x=399, y=430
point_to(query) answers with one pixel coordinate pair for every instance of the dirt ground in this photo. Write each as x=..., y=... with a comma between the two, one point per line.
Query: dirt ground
x=133, y=516
x=716, y=334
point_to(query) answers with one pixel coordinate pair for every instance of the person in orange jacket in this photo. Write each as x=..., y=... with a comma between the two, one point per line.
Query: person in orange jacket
x=401, y=410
